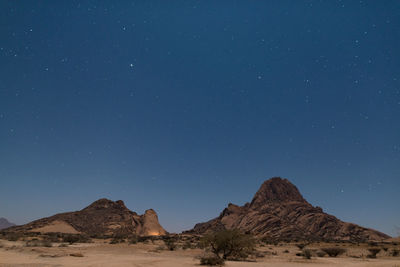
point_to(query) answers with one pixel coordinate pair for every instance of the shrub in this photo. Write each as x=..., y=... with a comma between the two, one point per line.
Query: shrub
x=230, y=244
x=211, y=261
x=13, y=236
x=395, y=252
x=75, y=238
x=52, y=237
x=170, y=243
x=321, y=253
x=133, y=240
x=334, y=252
x=116, y=241
x=373, y=252
x=187, y=245
x=307, y=253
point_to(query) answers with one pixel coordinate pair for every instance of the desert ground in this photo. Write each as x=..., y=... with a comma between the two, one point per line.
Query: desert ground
x=101, y=253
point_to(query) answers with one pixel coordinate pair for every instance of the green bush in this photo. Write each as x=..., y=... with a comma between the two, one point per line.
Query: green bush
x=211, y=261
x=230, y=244
x=334, y=252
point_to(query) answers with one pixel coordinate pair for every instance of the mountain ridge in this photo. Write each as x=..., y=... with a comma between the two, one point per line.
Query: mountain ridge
x=279, y=211
x=4, y=223
x=102, y=217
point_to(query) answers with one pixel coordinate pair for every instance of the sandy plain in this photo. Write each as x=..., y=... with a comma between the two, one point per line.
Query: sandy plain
x=101, y=253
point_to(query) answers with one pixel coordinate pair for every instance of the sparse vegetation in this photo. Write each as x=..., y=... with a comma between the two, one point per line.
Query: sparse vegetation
x=187, y=245
x=301, y=246
x=307, y=253
x=133, y=240
x=38, y=243
x=373, y=252
x=321, y=253
x=13, y=236
x=75, y=238
x=170, y=243
x=395, y=252
x=334, y=252
x=211, y=261
x=118, y=238
x=230, y=244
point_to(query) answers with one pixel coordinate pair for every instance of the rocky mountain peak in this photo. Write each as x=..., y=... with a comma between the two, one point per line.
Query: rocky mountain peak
x=276, y=190
x=278, y=211
x=105, y=203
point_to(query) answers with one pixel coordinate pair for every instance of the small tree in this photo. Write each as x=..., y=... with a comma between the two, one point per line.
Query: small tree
x=230, y=244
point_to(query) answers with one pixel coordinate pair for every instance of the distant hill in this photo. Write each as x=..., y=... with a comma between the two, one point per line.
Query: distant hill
x=102, y=217
x=279, y=211
x=4, y=223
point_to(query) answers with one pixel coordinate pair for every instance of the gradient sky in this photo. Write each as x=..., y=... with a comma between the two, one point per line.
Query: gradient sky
x=185, y=106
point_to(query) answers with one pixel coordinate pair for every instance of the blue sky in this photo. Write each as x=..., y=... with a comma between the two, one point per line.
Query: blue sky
x=186, y=106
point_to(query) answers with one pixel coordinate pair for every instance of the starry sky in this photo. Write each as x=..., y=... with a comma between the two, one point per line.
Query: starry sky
x=184, y=106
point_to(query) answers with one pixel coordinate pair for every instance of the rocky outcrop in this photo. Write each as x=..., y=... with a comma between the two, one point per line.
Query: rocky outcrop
x=4, y=223
x=278, y=211
x=102, y=217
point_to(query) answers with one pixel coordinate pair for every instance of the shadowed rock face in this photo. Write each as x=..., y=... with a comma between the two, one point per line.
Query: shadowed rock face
x=102, y=217
x=279, y=211
x=4, y=223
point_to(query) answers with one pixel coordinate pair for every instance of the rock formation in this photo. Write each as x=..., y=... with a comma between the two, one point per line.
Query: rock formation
x=278, y=211
x=102, y=217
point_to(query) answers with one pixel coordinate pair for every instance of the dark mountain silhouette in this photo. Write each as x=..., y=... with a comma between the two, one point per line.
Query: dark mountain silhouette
x=279, y=211
x=4, y=223
x=102, y=217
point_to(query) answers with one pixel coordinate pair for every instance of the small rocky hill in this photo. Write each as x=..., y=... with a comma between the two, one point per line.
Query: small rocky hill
x=4, y=223
x=278, y=211
x=102, y=217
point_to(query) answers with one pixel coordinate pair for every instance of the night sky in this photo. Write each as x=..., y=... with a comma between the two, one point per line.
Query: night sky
x=185, y=106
